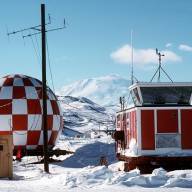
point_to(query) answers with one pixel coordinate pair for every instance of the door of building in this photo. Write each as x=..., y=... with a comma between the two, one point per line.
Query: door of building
x=6, y=156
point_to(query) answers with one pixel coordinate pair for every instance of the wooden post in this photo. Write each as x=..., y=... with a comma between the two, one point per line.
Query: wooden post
x=44, y=91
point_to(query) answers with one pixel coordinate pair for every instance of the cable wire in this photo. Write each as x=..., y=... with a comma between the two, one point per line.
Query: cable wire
x=35, y=50
x=38, y=49
x=49, y=63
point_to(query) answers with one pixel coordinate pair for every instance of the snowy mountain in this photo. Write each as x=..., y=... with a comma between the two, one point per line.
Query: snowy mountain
x=82, y=115
x=102, y=90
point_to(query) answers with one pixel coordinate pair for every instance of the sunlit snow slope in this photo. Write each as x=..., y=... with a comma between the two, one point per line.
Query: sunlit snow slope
x=82, y=115
x=104, y=90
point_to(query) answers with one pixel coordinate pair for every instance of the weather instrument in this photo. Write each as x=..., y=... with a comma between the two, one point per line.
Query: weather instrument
x=160, y=68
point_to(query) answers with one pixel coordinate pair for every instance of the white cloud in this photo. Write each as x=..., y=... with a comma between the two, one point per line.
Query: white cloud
x=168, y=45
x=184, y=47
x=142, y=56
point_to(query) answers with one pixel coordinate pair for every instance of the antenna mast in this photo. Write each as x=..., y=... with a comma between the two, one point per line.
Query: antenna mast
x=132, y=57
x=160, y=68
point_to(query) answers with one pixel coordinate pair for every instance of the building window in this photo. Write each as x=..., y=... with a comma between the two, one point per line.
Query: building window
x=135, y=96
x=166, y=95
x=168, y=140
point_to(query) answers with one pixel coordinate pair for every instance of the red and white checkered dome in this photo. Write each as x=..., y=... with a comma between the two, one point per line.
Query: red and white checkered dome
x=21, y=112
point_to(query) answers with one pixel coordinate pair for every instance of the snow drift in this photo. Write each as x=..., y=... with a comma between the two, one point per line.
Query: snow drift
x=89, y=176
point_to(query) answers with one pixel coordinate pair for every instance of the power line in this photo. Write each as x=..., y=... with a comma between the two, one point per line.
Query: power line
x=41, y=29
x=37, y=46
x=36, y=52
x=49, y=62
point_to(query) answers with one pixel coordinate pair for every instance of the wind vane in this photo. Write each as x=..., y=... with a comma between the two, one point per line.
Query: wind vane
x=160, y=68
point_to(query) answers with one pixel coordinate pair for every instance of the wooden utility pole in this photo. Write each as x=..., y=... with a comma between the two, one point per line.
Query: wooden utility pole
x=40, y=29
x=44, y=91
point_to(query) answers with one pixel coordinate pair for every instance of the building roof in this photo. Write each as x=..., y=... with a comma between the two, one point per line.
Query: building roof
x=161, y=84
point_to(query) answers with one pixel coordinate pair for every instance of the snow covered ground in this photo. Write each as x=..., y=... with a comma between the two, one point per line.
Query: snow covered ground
x=81, y=172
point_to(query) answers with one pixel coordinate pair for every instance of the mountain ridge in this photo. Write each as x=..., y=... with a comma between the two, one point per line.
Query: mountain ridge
x=104, y=90
x=82, y=115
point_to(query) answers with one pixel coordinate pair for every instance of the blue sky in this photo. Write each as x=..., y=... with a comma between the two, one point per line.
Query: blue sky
x=96, y=41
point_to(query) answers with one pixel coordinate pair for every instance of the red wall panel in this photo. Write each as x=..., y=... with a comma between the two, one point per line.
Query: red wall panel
x=186, y=129
x=129, y=126
x=147, y=130
x=167, y=121
x=133, y=125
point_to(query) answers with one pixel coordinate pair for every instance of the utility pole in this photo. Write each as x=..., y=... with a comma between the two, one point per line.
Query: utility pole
x=122, y=103
x=99, y=129
x=44, y=90
x=41, y=29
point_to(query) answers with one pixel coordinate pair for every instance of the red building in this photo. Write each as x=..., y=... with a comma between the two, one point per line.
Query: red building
x=157, y=129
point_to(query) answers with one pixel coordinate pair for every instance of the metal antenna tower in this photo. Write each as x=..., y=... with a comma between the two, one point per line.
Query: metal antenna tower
x=133, y=78
x=41, y=29
x=132, y=81
x=160, y=68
